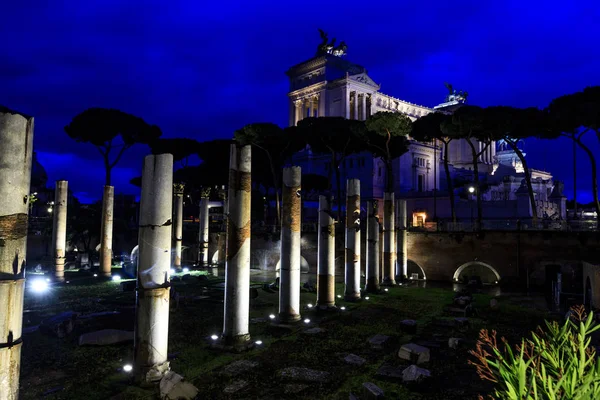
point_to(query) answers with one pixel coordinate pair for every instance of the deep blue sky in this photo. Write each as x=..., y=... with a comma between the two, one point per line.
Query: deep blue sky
x=203, y=69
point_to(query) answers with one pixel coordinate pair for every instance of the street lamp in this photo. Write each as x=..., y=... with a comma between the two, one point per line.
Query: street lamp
x=471, y=189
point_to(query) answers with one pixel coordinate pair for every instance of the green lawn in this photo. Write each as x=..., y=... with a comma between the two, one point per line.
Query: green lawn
x=90, y=373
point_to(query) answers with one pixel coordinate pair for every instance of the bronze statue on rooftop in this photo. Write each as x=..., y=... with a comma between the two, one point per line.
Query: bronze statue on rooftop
x=453, y=95
x=329, y=47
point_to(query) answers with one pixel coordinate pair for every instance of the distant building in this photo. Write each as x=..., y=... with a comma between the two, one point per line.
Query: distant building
x=328, y=85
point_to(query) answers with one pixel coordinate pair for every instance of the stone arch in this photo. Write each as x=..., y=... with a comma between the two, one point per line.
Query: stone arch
x=413, y=268
x=460, y=269
x=304, y=266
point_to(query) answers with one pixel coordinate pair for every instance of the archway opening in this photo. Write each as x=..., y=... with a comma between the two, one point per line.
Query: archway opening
x=477, y=271
x=414, y=271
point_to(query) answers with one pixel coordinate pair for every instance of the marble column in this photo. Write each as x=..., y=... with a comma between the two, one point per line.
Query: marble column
x=372, y=248
x=291, y=222
x=347, y=110
x=352, y=276
x=154, y=263
x=59, y=229
x=237, y=264
x=325, y=256
x=106, y=231
x=401, y=245
x=204, y=228
x=16, y=146
x=298, y=108
x=389, y=255
x=178, y=189
x=356, y=105
x=364, y=106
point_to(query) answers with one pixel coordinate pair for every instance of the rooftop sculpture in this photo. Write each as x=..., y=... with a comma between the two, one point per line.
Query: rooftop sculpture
x=327, y=47
x=453, y=95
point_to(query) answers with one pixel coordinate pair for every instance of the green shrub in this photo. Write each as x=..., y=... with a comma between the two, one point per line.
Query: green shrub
x=556, y=363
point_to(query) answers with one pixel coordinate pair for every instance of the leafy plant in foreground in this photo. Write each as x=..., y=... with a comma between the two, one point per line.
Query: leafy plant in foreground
x=556, y=363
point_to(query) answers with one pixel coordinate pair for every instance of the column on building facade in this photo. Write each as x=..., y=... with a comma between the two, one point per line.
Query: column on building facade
x=364, y=107
x=315, y=106
x=347, y=110
x=356, y=104
x=154, y=262
x=322, y=104
x=16, y=149
x=298, y=108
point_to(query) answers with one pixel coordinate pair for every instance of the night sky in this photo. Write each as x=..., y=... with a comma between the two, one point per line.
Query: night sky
x=202, y=69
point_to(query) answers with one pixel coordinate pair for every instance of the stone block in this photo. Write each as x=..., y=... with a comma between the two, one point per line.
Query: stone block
x=454, y=343
x=414, y=374
x=379, y=342
x=414, y=353
x=353, y=359
x=174, y=387
x=372, y=391
x=235, y=386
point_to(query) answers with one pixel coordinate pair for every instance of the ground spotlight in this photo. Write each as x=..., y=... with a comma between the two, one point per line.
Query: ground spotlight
x=48, y=280
x=339, y=296
x=186, y=270
x=307, y=321
x=214, y=337
x=116, y=278
x=258, y=342
x=386, y=289
x=342, y=308
x=95, y=275
x=39, y=285
x=272, y=316
x=367, y=298
x=309, y=305
x=127, y=368
x=172, y=271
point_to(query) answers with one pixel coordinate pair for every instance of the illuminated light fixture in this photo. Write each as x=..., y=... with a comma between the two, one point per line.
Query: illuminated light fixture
x=309, y=305
x=214, y=337
x=307, y=321
x=49, y=209
x=127, y=368
x=39, y=286
x=471, y=189
x=342, y=308
x=386, y=289
x=272, y=316
x=116, y=278
x=95, y=275
x=47, y=279
x=339, y=296
x=68, y=282
x=496, y=282
x=186, y=269
x=258, y=342
x=367, y=298
x=172, y=271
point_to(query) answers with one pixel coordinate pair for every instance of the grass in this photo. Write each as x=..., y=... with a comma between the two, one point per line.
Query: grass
x=93, y=373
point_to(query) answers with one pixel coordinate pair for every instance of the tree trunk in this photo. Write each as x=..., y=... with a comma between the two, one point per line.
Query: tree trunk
x=449, y=180
x=594, y=177
x=519, y=153
x=476, y=181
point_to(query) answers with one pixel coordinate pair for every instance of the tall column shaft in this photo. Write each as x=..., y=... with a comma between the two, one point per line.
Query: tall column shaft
x=106, y=231
x=16, y=145
x=291, y=221
x=237, y=268
x=372, y=247
x=326, y=255
x=178, y=189
x=352, y=277
x=154, y=263
x=389, y=255
x=347, y=110
x=59, y=229
x=204, y=231
x=356, y=117
x=401, y=243
x=364, y=107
